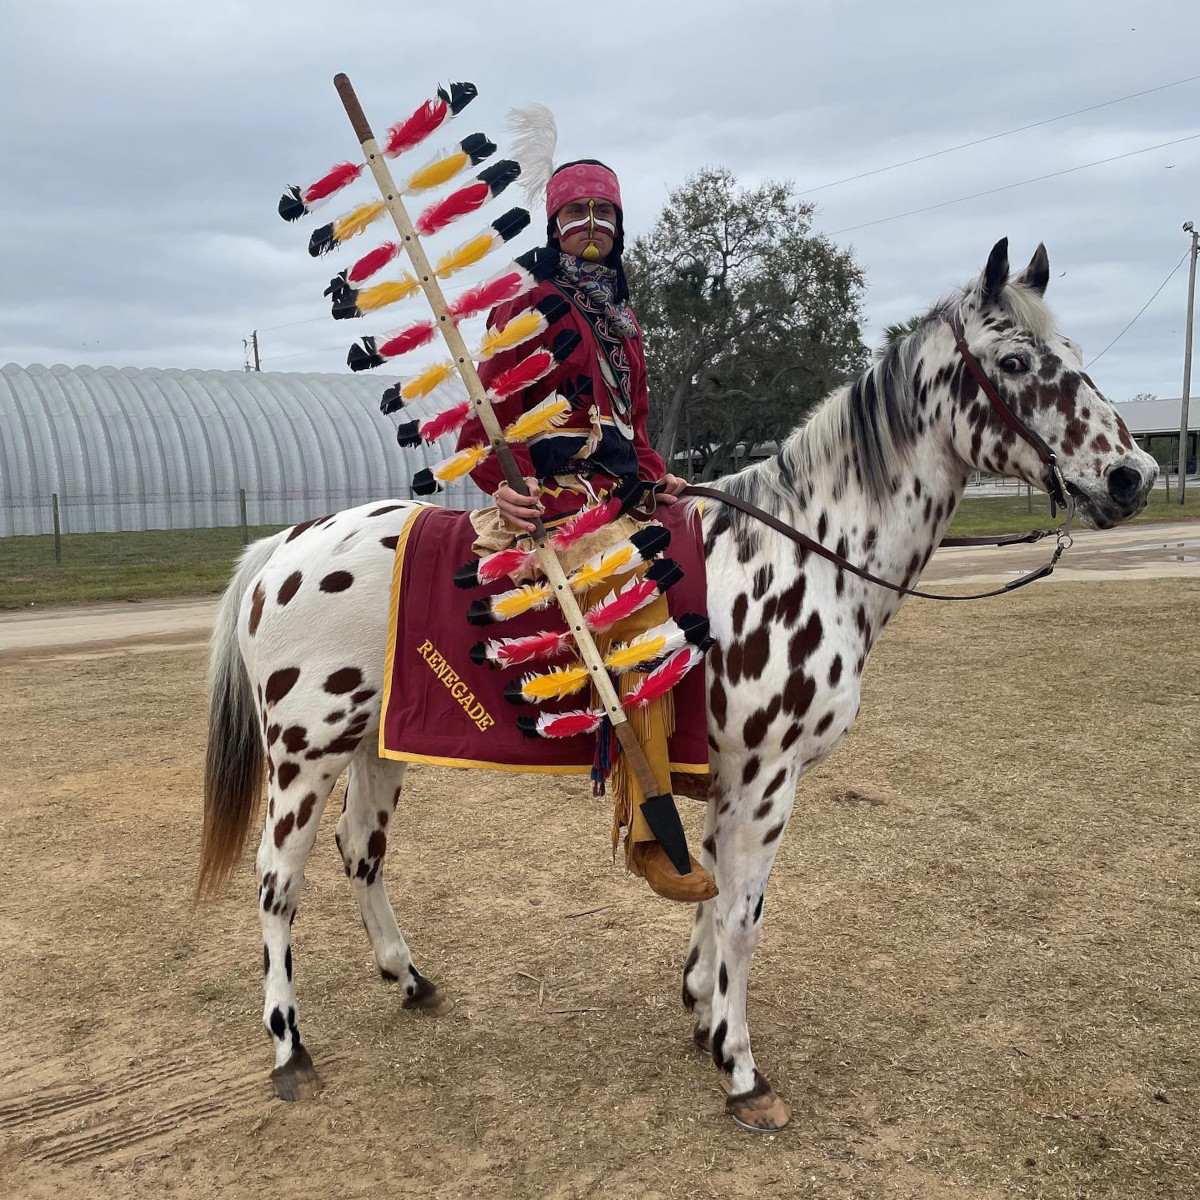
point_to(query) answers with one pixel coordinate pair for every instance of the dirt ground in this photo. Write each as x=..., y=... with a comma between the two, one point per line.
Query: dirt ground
x=979, y=975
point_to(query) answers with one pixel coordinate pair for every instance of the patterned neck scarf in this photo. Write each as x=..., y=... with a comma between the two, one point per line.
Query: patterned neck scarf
x=598, y=283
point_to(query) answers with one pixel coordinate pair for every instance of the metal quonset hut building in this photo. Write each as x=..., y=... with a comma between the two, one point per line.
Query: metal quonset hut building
x=143, y=448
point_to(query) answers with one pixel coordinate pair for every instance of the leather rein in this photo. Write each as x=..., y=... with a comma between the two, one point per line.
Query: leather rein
x=1054, y=482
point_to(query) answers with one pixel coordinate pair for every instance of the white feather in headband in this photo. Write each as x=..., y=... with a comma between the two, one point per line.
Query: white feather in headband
x=535, y=136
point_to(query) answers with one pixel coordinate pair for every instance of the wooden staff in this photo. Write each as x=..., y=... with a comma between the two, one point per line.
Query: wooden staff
x=551, y=567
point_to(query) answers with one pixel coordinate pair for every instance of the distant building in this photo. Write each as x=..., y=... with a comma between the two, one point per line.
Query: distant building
x=1154, y=425
x=133, y=448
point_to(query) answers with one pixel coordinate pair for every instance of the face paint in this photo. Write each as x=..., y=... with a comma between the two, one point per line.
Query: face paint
x=591, y=223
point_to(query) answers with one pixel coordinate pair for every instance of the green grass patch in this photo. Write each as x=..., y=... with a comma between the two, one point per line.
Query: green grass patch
x=1010, y=514
x=150, y=564
x=158, y=564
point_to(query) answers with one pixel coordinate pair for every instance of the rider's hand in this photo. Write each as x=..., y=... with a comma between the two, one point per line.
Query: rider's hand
x=669, y=488
x=519, y=511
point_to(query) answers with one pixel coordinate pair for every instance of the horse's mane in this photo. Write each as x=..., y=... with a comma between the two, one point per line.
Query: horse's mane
x=872, y=419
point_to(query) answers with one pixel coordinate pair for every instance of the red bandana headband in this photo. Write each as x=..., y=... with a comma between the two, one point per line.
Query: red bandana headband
x=582, y=181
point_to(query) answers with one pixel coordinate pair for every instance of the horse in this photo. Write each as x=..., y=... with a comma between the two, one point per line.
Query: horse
x=876, y=474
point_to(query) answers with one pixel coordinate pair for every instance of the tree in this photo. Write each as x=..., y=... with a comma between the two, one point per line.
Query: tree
x=1142, y=396
x=898, y=331
x=750, y=318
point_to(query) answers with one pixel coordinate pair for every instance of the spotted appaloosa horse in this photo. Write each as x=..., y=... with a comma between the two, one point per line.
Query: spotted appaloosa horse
x=877, y=473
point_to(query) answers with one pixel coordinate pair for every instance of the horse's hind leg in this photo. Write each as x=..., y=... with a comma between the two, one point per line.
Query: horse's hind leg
x=372, y=792
x=699, y=968
x=296, y=795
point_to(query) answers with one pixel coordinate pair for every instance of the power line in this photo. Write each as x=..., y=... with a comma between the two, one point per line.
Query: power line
x=305, y=353
x=1140, y=310
x=290, y=324
x=993, y=136
x=912, y=212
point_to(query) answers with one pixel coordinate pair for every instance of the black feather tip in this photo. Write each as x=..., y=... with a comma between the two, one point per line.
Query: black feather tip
x=458, y=96
x=528, y=726
x=391, y=399
x=424, y=482
x=665, y=573
x=364, y=357
x=499, y=175
x=345, y=307
x=480, y=613
x=467, y=576
x=291, y=207
x=321, y=241
x=478, y=652
x=541, y=262
x=695, y=628
x=407, y=435
x=477, y=147
x=651, y=541
x=507, y=226
x=513, y=693
x=553, y=308
x=338, y=286
x=564, y=344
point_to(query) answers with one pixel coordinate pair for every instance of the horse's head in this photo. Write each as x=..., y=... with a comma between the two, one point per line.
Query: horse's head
x=1039, y=375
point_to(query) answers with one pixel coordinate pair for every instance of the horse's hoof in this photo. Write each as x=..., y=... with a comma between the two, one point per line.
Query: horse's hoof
x=703, y=1039
x=759, y=1110
x=428, y=999
x=297, y=1079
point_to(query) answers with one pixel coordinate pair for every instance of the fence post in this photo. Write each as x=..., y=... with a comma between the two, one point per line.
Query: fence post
x=1029, y=497
x=242, y=507
x=57, y=532
x=1167, y=483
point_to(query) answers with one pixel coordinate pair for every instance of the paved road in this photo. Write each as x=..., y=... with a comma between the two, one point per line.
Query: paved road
x=1136, y=552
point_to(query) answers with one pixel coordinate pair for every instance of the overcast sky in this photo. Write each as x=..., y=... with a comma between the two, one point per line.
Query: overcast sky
x=144, y=147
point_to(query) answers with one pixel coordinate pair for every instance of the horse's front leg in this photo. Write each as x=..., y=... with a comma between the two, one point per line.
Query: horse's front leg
x=699, y=968
x=749, y=823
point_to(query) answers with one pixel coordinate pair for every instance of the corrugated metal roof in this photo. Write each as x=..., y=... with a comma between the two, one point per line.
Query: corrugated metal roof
x=143, y=448
x=1157, y=416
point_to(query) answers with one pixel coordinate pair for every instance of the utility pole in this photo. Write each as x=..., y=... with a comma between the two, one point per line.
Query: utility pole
x=258, y=365
x=1188, y=227
x=250, y=346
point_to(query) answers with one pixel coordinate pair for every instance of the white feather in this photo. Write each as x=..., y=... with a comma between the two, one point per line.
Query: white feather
x=535, y=136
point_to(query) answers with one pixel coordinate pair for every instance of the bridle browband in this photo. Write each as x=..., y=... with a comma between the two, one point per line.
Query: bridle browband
x=1055, y=488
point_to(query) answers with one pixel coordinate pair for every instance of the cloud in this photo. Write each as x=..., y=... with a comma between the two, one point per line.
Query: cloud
x=146, y=146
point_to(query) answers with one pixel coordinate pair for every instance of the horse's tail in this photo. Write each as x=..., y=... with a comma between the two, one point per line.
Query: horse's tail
x=234, y=764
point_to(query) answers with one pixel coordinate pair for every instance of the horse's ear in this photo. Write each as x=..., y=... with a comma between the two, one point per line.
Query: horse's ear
x=995, y=274
x=1037, y=275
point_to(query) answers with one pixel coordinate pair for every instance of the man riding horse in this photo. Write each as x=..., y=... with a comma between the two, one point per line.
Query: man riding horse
x=602, y=444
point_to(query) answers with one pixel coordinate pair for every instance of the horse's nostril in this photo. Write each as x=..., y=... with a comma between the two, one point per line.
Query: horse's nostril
x=1124, y=484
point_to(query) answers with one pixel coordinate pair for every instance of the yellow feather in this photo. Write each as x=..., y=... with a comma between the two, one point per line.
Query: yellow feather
x=520, y=600
x=356, y=220
x=464, y=256
x=591, y=574
x=424, y=383
x=556, y=684
x=544, y=416
x=628, y=657
x=519, y=329
x=436, y=172
x=464, y=461
x=381, y=294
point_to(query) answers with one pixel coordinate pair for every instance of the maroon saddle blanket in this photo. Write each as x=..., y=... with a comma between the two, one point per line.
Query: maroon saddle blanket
x=439, y=707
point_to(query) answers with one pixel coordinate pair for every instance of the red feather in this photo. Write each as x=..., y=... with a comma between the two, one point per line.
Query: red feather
x=334, y=181
x=406, y=134
x=528, y=370
x=420, y=334
x=659, y=682
x=502, y=563
x=372, y=262
x=634, y=595
x=588, y=521
x=569, y=724
x=457, y=204
x=539, y=646
x=488, y=295
x=446, y=422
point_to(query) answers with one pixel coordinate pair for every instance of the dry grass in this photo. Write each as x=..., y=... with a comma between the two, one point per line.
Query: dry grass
x=979, y=976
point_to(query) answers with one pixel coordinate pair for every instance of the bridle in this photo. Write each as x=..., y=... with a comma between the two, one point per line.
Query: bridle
x=1055, y=484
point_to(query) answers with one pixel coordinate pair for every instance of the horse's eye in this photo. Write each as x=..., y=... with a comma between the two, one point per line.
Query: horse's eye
x=1014, y=364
